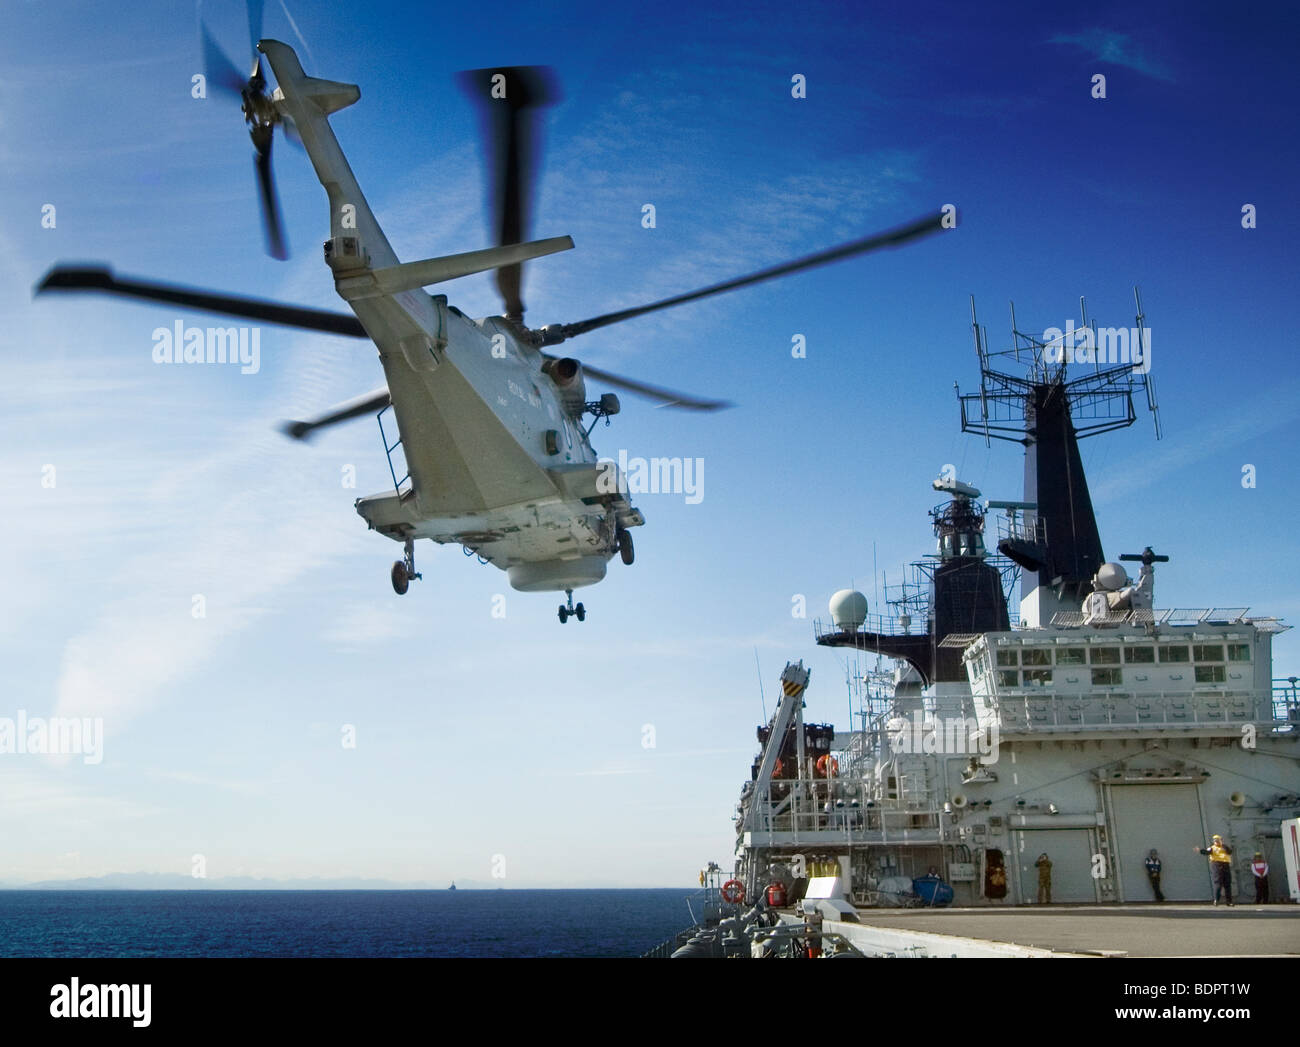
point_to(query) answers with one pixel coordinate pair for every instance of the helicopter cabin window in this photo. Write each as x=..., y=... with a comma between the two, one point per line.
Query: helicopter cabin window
x=1071, y=656
x=1105, y=656
x=1037, y=656
x=1008, y=657
x=1238, y=652
x=1210, y=674
x=1106, y=677
x=1139, y=655
x=1173, y=653
x=1207, y=652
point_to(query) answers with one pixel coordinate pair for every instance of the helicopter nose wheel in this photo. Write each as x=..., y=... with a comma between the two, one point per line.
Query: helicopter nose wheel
x=404, y=572
x=570, y=611
x=625, y=547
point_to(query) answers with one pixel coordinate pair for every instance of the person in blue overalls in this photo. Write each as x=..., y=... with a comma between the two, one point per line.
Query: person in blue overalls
x=1153, y=865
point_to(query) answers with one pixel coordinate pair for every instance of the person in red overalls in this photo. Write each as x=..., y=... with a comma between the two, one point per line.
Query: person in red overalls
x=1260, y=868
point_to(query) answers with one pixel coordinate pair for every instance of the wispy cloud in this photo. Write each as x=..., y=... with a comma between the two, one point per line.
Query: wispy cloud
x=1103, y=45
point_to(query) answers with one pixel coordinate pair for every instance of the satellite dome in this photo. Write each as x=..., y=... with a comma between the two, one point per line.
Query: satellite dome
x=1110, y=577
x=848, y=610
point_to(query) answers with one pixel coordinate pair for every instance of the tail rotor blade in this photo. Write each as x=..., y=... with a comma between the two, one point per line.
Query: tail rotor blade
x=254, y=24
x=220, y=70
x=275, y=243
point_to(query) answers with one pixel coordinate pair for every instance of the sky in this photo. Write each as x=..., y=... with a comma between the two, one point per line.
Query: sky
x=308, y=722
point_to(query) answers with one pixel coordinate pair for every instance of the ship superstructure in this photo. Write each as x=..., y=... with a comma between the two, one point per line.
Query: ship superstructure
x=1086, y=729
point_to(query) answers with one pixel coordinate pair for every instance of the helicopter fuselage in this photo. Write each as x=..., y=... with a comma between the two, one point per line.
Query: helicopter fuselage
x=498, y=459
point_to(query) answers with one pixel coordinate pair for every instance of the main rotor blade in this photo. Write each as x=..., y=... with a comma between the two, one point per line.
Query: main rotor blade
x=368, y=404
x=220, y=70
x=101, y=279
x=275, y=245
x=891, y=238
x=667, y=397
x=506, y=98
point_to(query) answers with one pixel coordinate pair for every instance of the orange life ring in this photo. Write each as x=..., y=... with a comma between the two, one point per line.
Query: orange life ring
x=824, y=761
x=733, y=892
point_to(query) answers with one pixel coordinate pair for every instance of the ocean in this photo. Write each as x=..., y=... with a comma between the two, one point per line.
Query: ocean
x=466, y=923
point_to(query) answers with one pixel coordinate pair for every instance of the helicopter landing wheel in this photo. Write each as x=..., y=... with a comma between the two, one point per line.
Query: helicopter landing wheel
x=625, y=547
x=404, y=572
x=568, y=610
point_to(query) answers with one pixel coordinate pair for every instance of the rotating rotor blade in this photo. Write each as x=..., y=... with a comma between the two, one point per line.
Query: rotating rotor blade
x=220, y=70
x=254, y=28
x=553, y=334
x=101, y=279
x=666, y=397
x=507, y=98
x=367, y=404
x=274, y=228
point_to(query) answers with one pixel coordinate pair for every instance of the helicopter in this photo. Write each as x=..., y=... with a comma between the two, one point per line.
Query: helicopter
x=492, y=427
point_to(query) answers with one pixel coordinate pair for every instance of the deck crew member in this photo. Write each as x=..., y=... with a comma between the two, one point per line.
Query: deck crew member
x=1154, y=866
x=1044, y=867
x=1259, y=868
x=1220, y=866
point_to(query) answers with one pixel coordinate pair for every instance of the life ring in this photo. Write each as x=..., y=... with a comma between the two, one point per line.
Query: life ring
x=828, y=761
x=733, y=892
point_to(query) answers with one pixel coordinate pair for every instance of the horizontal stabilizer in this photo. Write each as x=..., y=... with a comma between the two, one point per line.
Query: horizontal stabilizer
x=329, y=96
x=409, y=275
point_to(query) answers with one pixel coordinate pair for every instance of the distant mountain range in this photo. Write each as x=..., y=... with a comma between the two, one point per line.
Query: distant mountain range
x=143, y=881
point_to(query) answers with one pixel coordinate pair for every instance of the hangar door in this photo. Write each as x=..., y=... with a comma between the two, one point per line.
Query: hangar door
x=1168, y=818
x=1070, y=851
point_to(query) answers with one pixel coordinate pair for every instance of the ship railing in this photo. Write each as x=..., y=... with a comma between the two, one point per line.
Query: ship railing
x=1276, y=710
x=879, y=823
x=885, y=625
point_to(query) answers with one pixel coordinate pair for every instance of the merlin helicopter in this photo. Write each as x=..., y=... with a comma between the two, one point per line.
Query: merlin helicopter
x=493, y=427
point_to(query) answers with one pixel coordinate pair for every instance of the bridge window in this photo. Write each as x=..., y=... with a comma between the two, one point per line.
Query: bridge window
x=1238, y=652
x=1071, y=656
x=1209, y=674
x=1107, y=677
x=1008, y=657
x=1008, y=678
x=1105, y=656
x=1173, y=653
x=1139, y=655
x=1207, y=652
x=1038, y=677
x=1037, y=656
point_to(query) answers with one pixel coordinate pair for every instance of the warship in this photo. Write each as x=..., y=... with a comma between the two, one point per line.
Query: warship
x=1012, y=772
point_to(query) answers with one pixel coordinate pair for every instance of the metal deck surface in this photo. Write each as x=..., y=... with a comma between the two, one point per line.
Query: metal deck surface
x=1130, y=930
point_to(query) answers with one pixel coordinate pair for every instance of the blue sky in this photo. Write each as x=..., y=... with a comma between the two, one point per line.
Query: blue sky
x=478, y=736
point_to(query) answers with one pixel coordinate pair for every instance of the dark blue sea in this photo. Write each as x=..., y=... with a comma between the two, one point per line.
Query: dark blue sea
x=339, y=923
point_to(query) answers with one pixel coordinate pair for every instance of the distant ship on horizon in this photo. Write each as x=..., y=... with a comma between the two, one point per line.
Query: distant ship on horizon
x=453, y=886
